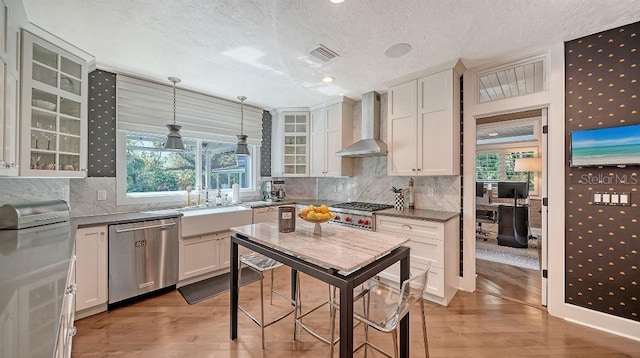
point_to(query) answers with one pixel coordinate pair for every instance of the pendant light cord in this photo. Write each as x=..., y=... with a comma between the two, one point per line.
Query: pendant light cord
x=174, y=80
x=174, y=102
x=242, y=99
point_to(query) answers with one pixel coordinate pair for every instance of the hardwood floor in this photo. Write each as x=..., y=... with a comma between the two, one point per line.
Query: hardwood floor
x=474, y=325
x=509, y=282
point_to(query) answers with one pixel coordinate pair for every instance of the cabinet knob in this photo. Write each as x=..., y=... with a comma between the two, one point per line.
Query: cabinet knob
x=72, y=331
x=419, y=169
x=414, y=169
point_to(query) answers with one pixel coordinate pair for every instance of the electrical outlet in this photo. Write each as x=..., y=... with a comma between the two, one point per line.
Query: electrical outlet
x=102, y=195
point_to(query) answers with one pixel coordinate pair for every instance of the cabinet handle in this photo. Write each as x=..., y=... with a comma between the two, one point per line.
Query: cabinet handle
x=407, y=226
x=162, y=226
x=419, y=169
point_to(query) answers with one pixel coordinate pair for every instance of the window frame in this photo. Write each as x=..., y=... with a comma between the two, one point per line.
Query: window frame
x=174, y=198
x=502, y=150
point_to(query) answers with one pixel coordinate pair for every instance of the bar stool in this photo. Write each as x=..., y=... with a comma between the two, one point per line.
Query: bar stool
x=299, y=315
x=333, y=306
x=260, y=263
x=385, y=305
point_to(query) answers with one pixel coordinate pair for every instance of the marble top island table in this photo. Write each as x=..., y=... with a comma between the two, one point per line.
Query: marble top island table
x=343, y=257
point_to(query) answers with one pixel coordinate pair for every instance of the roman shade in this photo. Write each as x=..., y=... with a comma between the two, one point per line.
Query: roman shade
x=145, y=106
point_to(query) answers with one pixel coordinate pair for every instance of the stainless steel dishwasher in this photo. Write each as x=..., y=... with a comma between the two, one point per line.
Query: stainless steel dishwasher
x=143, y=257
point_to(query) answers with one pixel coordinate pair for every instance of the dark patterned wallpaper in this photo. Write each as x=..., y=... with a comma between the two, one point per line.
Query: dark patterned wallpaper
x=102, y=124
x=265, y=147
x=602, y=244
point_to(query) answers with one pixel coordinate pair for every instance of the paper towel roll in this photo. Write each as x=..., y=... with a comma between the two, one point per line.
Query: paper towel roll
x=236, y=193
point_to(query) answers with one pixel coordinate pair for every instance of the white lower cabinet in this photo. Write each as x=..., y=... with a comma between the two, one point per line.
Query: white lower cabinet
x=264, y=215
x=431, y=242
x=203, y=254
x=92, y=269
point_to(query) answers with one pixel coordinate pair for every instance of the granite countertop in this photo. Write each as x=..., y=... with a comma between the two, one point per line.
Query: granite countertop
x=264, y=204
x=119, y=218
x=34, y=263
x=339, y=247
x=420, y=214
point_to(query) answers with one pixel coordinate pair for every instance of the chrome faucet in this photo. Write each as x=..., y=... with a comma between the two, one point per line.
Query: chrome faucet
x=206, y=196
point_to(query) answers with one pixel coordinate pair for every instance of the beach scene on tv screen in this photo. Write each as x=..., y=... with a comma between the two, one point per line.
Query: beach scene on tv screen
x=606, y=146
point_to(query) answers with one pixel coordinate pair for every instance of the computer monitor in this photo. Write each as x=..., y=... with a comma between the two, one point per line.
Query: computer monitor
x=479, y=189
x=513, y=189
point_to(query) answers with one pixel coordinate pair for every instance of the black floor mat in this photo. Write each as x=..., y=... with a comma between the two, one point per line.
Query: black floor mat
x=205, y=289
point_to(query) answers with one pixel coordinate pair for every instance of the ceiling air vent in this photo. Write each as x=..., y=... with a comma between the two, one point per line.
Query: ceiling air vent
x=323, y=53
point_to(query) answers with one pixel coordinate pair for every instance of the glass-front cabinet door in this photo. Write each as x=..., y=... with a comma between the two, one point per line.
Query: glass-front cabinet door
x=295, y=144
x=54, y=110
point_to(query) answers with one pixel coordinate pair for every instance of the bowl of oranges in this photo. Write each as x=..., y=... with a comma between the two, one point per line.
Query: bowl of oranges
x=316, y=215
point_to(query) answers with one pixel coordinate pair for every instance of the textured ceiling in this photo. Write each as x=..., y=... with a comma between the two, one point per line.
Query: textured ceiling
x=259, y=48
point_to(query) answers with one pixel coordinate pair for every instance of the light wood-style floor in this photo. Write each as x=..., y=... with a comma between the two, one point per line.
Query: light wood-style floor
x=510, y=282
x=474, y=325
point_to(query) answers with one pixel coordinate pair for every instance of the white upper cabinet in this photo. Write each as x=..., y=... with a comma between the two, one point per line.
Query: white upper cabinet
x=331, y=131
x=402, y=124
x=290, y=143
x=54, y=98
x=424, y=124
x=9, y=87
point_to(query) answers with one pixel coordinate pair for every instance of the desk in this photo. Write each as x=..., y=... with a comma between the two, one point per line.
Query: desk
x=343, y=257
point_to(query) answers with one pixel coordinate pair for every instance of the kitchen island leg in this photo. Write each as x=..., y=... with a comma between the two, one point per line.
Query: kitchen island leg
x=234, y=288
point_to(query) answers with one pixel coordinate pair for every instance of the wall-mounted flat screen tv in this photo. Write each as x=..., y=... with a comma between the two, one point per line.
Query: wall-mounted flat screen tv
x=606, y=146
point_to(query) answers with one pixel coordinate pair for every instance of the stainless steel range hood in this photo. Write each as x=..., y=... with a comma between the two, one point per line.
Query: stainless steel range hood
x=370, y=144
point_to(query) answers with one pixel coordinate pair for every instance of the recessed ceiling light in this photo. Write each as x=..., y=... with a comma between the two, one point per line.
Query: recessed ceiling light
x=328, y=79
x=492, y=134
x=336, y=1
x=397, y=50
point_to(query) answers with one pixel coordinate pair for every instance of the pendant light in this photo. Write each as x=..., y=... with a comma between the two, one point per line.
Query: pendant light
x=242, y=149
x=174, y=139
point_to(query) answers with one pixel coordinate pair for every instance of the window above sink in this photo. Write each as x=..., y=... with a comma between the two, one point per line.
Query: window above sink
x=151, y=174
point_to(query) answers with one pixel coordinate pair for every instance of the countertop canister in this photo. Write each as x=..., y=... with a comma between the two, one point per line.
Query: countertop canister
x=287, y=218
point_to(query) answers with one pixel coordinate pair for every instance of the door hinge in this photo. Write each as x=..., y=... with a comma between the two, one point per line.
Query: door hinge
x=545, y=129
x=545, y=201
x=545, y=273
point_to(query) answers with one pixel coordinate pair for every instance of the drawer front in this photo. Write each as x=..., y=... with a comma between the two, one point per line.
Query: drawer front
x=435, y=277
x=427, y=250
x=418, y=228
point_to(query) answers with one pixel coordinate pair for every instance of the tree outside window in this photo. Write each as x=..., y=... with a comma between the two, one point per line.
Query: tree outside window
x=151, y=169
x=498, y=165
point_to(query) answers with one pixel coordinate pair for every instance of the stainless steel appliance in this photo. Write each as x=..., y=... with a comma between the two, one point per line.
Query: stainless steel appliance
x=273, y=190
x=370, y=143
x=143, y=257
x=356, y=214
x=37, y=295
x=26, y=215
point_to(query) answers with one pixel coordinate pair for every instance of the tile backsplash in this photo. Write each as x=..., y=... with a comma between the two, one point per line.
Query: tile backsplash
x=370, y=183
x=20, y=190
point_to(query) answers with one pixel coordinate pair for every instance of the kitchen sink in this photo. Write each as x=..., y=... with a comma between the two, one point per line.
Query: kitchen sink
x=203, y=220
